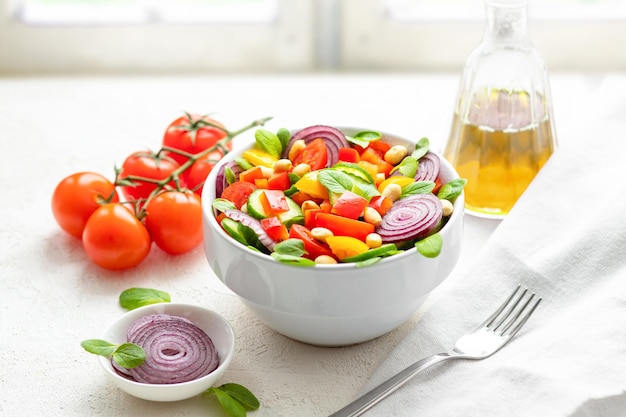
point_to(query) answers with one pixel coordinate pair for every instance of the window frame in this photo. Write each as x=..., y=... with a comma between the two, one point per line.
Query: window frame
x=284, y=44
x=372, y=40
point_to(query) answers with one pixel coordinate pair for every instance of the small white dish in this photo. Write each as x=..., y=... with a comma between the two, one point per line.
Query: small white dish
x=215, y=326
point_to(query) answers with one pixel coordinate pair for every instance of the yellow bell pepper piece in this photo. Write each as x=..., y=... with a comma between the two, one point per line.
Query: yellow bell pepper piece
x=257, y=157
x=402, y=181
x=309, y=184
x=346, y=246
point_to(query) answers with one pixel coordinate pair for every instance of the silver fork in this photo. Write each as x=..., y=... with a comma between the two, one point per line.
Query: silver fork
x=481, y=342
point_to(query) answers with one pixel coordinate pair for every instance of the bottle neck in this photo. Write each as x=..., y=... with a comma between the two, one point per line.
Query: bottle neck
x=507, y=26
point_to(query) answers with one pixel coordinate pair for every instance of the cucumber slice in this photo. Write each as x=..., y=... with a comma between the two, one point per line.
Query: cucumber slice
x=355, y=170
x=383, y=250
x=255, y=209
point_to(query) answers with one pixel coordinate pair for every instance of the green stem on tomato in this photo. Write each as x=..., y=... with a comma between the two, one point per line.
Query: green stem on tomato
x=140, y=211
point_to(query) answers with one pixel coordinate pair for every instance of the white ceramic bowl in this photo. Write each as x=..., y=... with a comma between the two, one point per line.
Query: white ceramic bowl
x=331, y=305
x=215, y=326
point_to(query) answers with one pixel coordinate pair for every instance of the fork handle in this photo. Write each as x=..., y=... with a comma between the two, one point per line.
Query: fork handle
x=377, y=394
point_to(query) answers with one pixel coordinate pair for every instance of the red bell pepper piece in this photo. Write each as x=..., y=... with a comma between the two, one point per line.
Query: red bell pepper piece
x=274, y=202
x=275, y=229
x=349, y=205
x=343, y=226
x=279, y=181
x=349, y=155
x=381, y=204
x=251, y=174
x=309, y=217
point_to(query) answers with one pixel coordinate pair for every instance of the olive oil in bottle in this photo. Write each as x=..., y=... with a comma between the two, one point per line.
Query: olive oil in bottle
x=502, y=129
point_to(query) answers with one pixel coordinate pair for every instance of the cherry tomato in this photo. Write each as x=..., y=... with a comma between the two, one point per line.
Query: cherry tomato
x=238, y=192
x=76, y=197
x=313, y=247
x=146, y=164
x=315, y=154
x=115, y=239
x=192, y=134
x=195, y=176
x=174, y=220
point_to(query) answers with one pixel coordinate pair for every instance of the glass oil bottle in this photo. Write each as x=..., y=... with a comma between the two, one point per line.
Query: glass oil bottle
x=503, y=129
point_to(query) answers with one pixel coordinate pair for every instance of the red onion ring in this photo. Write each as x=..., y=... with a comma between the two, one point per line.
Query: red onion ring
x=220, y=180
x=333, y=138
x=428, y=167
x=410, y=218
x=253, y=224
x=176, y=350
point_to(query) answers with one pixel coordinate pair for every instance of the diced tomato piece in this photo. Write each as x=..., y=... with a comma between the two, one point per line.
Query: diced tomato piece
x=343, y=226
x=251, y=174
x=313, y=247
x=261, y=183
x=275, y=229
x=279, y=181
x=381, y=204
x=349, y=205
x=238, y=192
x=348, y=155
x=274, y=202
x=315, y=154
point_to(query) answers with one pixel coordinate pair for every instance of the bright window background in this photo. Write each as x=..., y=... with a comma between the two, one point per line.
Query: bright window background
x=206, y=36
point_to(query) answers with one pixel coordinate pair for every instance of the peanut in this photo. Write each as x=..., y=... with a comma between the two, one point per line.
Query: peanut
x=325, y=259
x=301, y=169
x=321, y=233
x=392, y=192
x=446, y=207
x=373, y=240
x=296, y=148
x=309, y=204
x=396, y=154
x=371, y=216
x=282, y=165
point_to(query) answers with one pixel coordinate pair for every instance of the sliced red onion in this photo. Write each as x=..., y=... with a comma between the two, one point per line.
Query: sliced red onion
x=176, y=350
x=410, y=218
x=428, y=167
x=253, y=224
x=220, y=179
x=333, y=138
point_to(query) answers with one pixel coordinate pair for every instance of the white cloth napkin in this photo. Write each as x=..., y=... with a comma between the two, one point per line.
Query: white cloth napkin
x=565, y=240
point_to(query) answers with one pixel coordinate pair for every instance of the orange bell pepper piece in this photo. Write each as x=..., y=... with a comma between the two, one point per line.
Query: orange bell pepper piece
x=343, y=226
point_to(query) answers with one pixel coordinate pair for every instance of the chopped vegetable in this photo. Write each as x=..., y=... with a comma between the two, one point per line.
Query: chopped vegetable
x=333, y=198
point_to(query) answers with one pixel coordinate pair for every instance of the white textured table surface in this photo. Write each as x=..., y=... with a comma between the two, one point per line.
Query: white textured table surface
x=53, y=297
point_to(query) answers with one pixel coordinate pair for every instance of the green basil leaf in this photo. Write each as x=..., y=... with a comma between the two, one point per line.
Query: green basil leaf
x=417, y=187
x=232, y=407
x=430, y=246
x=242, y=394
x=133, y=298
x=221, y=204
x=292, y=260
x=357, y=141
x=368, y=135
x=268, y=142
x=294, y=247
x=99, y=347
x=284, y=136
x=129, y=355
x=243, y=163
x=368, y=262
x=335, y=181
x=421, y=148
x=452, y=189
x=230, y=175
x=364, y=189
x=408, y=167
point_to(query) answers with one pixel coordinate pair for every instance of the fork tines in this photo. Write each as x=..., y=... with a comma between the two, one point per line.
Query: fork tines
x=513, y=313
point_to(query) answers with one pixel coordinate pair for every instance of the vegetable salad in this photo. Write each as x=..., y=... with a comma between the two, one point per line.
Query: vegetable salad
x=322, y=197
